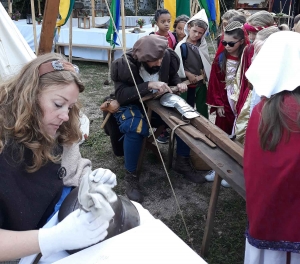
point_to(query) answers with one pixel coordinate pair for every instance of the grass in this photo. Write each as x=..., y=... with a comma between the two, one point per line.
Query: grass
x=227, y=243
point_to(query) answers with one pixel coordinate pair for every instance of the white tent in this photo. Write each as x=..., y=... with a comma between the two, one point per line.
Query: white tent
x=14, y=50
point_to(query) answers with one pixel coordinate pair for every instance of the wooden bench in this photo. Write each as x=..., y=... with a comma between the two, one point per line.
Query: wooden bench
x=222, y=163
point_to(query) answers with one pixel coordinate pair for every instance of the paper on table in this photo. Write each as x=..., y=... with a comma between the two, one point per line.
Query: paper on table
x=152, y=242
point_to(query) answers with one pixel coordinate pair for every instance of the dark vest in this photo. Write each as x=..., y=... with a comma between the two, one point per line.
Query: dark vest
x=27, y=199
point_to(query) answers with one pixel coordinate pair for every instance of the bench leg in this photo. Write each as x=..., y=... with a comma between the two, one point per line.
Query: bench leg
x=210, y=215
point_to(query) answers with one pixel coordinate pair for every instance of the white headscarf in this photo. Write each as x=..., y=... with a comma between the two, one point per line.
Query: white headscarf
x=276, y=67
x=203, y=49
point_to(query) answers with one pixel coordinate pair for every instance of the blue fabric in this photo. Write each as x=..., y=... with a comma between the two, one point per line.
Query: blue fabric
x=182, y=148
x=65, y=192
x=212, y=9
x=133, y=124
x=132, y=148
x=130, y=119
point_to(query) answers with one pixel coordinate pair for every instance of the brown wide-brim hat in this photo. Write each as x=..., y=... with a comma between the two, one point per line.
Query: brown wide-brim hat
x=149, y=48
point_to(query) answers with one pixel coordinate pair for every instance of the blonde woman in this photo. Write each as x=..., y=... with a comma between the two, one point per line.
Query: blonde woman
x=39, y=115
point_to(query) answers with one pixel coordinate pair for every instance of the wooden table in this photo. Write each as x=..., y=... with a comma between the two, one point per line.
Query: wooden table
x=225, y=167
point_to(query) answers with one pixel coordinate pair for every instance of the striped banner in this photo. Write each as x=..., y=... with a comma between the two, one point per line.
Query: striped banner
x=177, y=8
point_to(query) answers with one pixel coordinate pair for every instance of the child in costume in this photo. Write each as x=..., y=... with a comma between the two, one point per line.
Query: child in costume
x=178, y=27
x=194, y=66
x=163, y=21
x=222, y=82
x=255, y=23
x=272, y=154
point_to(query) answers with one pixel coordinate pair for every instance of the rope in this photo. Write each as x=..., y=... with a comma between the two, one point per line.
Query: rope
x=223, y=5
x=283, y=6
x=152, y=132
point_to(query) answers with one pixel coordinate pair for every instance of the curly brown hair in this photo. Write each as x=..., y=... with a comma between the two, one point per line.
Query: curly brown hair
x=21, y=114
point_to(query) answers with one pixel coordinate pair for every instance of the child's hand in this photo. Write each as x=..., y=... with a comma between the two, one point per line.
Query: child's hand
x=221, y=111
x=192, y=78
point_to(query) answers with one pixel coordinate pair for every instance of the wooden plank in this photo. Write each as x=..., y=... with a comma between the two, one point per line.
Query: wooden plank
x=216, y=158
x=210, y=215
x=219, y=137
x=48, y=26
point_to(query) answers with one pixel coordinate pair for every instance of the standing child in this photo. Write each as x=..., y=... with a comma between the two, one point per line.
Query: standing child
x=178, y=27
x=163, y=21
x=272, y=154
x=194, y=65
x=222, y=83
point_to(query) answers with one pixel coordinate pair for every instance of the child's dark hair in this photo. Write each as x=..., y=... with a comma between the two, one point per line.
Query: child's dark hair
x=182, y=18
x=160, y=12
x=237, y=34
x=198, y=23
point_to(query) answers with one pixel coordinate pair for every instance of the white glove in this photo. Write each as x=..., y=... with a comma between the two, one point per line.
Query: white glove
x=78, y=230
x=104, y=176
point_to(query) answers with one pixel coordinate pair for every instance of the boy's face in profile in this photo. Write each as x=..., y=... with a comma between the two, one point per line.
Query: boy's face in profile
x=195, y=33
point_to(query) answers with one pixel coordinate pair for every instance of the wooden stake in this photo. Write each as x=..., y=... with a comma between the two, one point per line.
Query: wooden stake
x=136, y=7
x=123, y=25
x=34, y=28
x=70, y=36
x=93, y=13
x=48, y=27
x=9, y=4
x=39, y=7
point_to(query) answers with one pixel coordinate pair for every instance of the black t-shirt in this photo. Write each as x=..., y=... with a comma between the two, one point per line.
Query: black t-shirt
x=26, y=199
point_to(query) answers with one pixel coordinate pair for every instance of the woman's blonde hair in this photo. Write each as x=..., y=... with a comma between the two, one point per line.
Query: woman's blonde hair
x=21, y=113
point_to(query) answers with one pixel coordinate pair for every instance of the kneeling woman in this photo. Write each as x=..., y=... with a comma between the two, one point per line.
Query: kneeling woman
x=39, y=156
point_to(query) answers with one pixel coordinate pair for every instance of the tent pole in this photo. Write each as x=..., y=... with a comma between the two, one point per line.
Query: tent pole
x=70, y=36
x=39, y=7
x=93, y=13
x=34, y=27
x=9, y=5
x=123, y=25
x=136, y=7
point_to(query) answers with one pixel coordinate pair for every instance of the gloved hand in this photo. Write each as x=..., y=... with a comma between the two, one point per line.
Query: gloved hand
x=78, y=230
x=95, y=196
x=104, y=176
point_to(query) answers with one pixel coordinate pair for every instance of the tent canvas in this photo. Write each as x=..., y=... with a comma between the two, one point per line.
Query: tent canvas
x=14, y=50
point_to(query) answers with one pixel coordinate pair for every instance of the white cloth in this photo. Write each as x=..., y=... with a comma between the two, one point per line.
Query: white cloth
x=254, y=255
x=97, y=37
x=276, y=66
x=14, y=50
x=95, y=193
x=255, y=99
x=203, y=49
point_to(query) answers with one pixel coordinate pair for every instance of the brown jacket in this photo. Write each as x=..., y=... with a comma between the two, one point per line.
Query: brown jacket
x=125, y=91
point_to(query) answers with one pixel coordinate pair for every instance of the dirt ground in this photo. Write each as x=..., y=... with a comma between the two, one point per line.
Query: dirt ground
x=228, y=236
